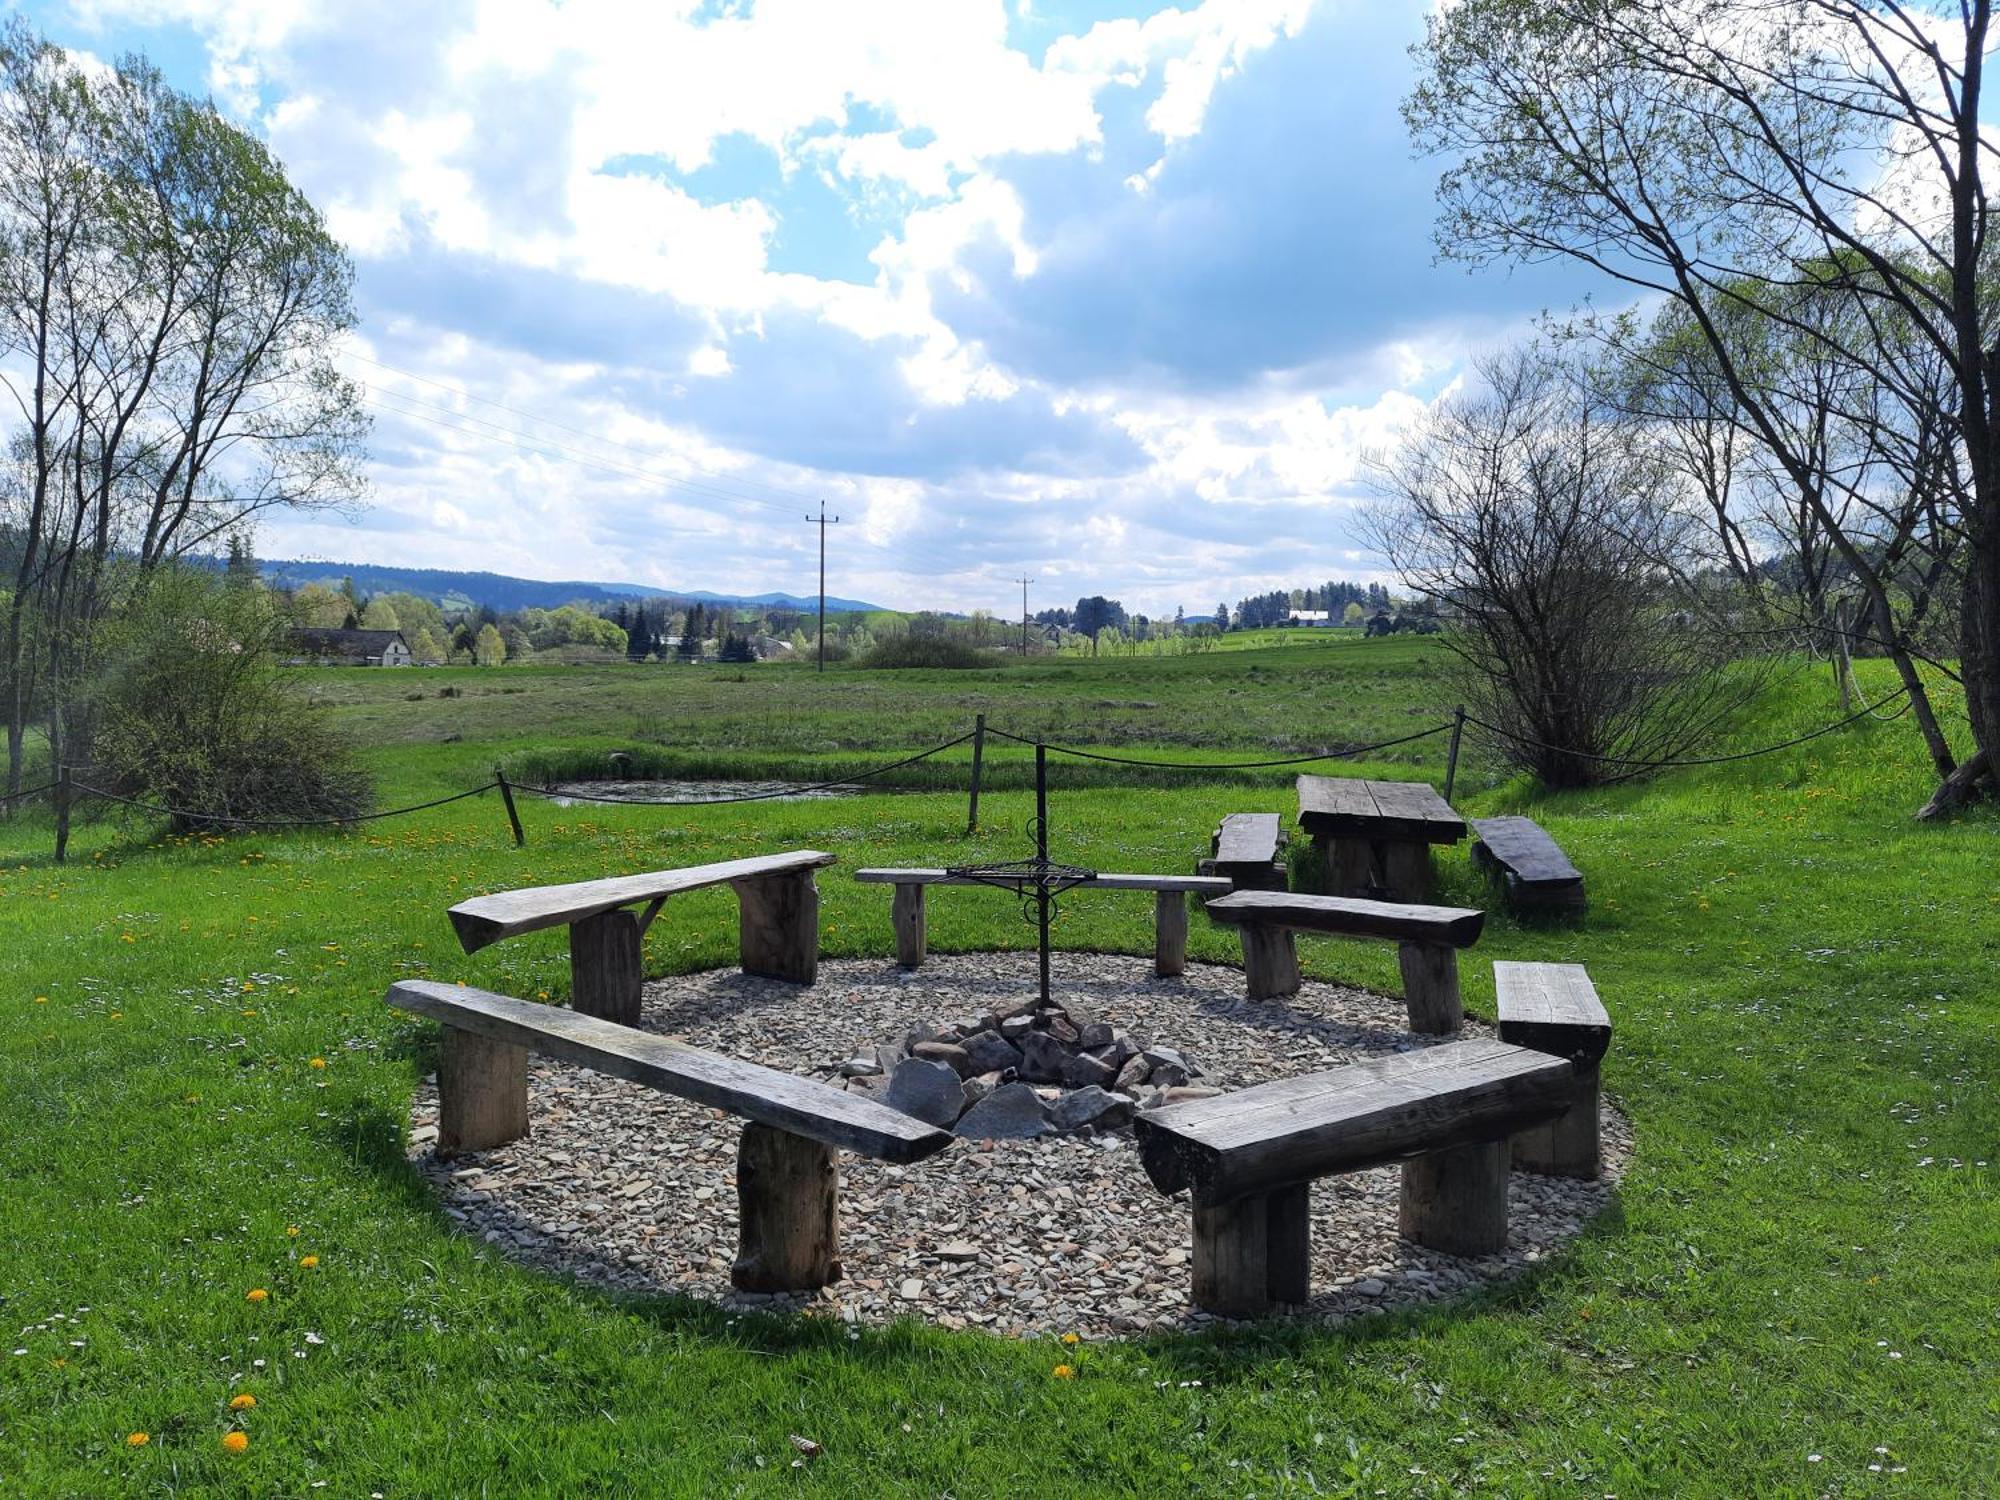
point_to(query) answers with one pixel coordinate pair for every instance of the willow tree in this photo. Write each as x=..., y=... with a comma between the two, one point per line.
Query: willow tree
x=1722, y=153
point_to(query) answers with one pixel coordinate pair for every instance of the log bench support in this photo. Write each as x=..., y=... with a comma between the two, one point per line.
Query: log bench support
x=788, y=1212
x=607, y=971
x=1254, y=1253
x=778, y=930
x=1170, y=929
x=482, y=1092
x=1456, y=1201
x=912, y=926
x=1554, y=1008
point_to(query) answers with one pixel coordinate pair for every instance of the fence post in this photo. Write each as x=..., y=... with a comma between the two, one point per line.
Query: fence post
x=507, y=796
x=62, y=813
x=978, y=759
x=1451, y=760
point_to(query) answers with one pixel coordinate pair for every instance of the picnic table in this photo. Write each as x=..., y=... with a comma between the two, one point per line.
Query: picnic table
x=1374, y=837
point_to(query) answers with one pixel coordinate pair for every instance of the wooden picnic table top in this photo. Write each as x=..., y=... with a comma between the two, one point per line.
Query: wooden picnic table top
x=1348, y=807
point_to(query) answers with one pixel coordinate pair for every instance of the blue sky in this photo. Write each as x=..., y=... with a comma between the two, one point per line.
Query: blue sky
x=1116, y=294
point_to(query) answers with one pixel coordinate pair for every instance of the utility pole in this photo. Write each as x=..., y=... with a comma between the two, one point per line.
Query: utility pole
x=822, y=520
x=1025, y=581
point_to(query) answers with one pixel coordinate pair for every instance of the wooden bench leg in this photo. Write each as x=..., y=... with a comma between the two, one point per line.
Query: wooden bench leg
x=788, y=1225
x=1406, y=871
x=1253, y=1252
x=779, y=926
x=1270, y=961
x=1456, y=1200
x=1568, y=1145
x=607, y=973
x=907, y=914
x=1170, y=934
x=1430, y=986
x=482, y=1093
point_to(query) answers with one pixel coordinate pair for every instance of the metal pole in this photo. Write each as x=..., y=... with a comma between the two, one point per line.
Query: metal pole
x=1451, y=761
x=822, y=521
x=1025, y=581
x=978, y=757
x=1042, y=860
x=507, y=796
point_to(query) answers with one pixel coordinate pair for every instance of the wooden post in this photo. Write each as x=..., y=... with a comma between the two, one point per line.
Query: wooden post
x=1349, y=865
x=778, y=931
x=1170, y=929
x=978, y=761
x=607, y=973
x=1430, y=986
x=1451, y=756
x=1568, y=1145
x=1456, y=1200
x=1270, y=961
x=1252, y=1252
x=507, y=797
x=788, y=1212
x=482, y=1093
x=907, y=914
x=62, y=813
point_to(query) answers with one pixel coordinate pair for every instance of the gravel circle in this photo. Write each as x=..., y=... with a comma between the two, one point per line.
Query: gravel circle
x=624, y=1186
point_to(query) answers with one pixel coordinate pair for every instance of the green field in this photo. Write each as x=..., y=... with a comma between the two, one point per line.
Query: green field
x=1793, y=1296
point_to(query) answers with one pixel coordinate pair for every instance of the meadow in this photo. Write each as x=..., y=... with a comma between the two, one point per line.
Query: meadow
x=1792, y=1296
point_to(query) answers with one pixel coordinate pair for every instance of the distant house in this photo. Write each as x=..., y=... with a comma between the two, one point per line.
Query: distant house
x=321, y=647
x=1320, y=617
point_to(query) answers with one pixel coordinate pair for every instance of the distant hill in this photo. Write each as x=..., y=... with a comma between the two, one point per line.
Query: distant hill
x=446, y=585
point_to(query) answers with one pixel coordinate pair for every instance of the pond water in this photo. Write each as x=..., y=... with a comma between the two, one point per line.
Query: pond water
x=565, y=792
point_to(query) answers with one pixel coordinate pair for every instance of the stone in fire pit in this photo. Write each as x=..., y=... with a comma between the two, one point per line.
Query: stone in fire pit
x=1027, y=1071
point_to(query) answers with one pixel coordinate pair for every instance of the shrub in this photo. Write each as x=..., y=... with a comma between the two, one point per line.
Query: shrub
x=925, y=651
x=194, y=709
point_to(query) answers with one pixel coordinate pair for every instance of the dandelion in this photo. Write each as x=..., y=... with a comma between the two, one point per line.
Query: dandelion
x=235, y=1442
x=138, y=1439
x=317, y=1062
x=242, y=1402
x=256, y=1294
x=1072, y=1339
x=1064, y=1372
x=308, y=1261
x=41, y=999
x=291, y=1231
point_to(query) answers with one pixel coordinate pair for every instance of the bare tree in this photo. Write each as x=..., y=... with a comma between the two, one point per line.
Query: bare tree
x=1727, y=152
x=1549, y=528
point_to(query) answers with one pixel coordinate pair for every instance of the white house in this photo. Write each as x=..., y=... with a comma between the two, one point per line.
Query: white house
x=351, y=648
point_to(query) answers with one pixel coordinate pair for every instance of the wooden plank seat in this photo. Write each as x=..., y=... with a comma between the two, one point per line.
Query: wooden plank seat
x=778, y=923
x=1430, y=937
x=1247, y=851
x=786, y=1180
x=1554, y=1008
x=1169, y=908
x=1530, y=866
x=1249, y=1159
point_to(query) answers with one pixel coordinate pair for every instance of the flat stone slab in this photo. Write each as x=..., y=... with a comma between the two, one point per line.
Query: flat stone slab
x=1012, y=1112
x=926, y=1090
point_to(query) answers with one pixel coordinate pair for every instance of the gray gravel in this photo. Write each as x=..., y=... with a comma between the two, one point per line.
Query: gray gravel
x=621, y=1185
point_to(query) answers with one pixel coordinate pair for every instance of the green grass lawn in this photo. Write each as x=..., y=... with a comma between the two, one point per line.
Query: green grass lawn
x=1797, y=1282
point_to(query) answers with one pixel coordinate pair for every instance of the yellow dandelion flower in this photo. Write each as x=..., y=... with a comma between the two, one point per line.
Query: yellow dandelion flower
x=308, y=1261
x=1072, y=1339
x=242, y=1402
x=138, y=1439
x=317, y=1062
x=235, y=1442
x=1064, y=1372
x=256, y=1294
x=291, y=1231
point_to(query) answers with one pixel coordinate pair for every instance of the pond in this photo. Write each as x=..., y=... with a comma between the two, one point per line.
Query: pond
x=570, y=793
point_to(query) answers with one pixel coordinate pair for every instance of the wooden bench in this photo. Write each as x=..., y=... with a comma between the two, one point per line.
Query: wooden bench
x=1247, y=852
x=1169, y=908
x=1554, y=1008
x=1430, y=937
x=1534, y=872
x=778, y=924
x=1249, y=1159
x=786, y=1182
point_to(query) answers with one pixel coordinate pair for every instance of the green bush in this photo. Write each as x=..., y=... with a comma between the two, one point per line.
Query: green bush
x=195, y=709
x=925, y=651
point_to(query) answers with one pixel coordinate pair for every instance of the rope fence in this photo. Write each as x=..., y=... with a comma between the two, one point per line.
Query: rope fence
x=67, y=790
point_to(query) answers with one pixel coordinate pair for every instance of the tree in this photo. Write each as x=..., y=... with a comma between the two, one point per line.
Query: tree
x=427, y=648
x=1353, y=614
x=380, y=614
x=1724, y=154
x=488, y=650
x=1548, y=526
x=1221, y=617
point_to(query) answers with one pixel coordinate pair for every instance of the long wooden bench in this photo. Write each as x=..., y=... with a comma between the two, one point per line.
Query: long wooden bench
x=1249, y=1159
x=1532, y=869
x=1430, y=937
x=1169, y=907
x=1554, y=1008
x=1247, y=851
x=778, y=923
x=787, y=1186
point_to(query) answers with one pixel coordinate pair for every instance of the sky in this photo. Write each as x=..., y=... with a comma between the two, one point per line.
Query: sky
x=1114, y=296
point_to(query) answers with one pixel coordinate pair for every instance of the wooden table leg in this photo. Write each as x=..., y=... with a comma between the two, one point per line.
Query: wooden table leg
x=788, y=1221
x=779, y=926
x=482, y=1092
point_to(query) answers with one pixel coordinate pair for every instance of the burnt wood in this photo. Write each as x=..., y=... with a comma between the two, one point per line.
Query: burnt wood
x=1347, y=807
x=799, y=1106
x=1455, y=926
x=504, y=914
x=1344, y=1119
